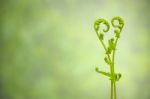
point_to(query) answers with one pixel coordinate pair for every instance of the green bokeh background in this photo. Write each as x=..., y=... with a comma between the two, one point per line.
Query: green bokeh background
x=49, y=50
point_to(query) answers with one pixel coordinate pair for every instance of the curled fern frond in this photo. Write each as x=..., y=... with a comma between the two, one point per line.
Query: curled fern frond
x=97, y=28
x=118, y=26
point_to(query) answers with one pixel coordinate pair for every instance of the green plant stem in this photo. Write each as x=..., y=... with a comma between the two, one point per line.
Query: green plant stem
x=105, y=49
x=113, y=69
x=115, y=94
x=112, y=82
x=113, y=86
x=111, y=96
x=103, y=44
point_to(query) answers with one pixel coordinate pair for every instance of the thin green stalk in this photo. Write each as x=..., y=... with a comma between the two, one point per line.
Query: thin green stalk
x=111, y=96
x=103, y=44
x=113, y=67
x=115, y=93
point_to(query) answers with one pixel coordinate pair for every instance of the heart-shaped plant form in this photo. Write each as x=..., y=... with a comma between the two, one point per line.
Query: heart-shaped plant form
x=110, y=48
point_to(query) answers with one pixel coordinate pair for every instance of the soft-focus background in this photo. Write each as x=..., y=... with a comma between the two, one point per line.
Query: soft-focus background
x=49, y=50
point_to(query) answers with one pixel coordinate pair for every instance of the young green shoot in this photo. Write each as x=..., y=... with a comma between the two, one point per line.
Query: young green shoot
x=110, y=49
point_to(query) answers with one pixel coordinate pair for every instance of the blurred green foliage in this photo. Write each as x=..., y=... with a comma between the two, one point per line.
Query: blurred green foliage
x=49, y=49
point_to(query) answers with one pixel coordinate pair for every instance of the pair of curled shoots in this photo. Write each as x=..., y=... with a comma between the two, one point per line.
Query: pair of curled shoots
x=117, y=23
x=112, y=42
